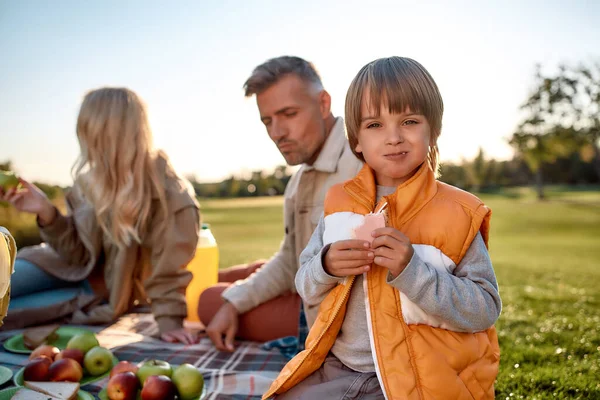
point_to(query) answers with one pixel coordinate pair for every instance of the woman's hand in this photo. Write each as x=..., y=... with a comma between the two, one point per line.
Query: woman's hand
x=180, y=335
x=29, y=198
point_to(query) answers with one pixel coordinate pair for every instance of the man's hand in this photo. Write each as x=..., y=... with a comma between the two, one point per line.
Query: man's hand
x=348, y=257
x=392, y=249
x=224, y=323
x=179, y=336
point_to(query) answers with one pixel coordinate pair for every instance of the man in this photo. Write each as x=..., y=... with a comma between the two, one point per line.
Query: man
x=296, y=111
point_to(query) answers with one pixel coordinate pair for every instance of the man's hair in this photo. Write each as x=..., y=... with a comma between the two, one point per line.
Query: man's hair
x=398, y=83
x=268, y=73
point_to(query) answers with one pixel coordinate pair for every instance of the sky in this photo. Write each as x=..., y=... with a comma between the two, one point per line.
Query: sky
x=189, y=59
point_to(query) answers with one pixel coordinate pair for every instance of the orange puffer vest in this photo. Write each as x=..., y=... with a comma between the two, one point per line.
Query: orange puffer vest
x=413, y=360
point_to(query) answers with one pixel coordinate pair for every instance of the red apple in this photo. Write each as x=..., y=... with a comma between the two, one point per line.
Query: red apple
x=158, y=387
x=66, y=369
x=74, y=354
x=44, y=350
x=123, y=386
x=123, y=366
x=37, y=369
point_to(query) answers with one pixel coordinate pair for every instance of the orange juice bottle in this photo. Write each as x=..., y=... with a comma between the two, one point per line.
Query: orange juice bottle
x=205, y=270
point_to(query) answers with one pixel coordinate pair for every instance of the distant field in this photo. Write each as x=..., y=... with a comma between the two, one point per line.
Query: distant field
x=547, y=259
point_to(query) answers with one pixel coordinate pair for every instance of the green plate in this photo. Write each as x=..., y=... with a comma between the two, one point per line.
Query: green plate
x=6, y=394
x=87, y=379
x=15, y=344
x=103, y=396
x=5, y=375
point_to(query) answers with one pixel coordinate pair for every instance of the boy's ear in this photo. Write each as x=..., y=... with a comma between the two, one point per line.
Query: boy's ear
x=358, y=149
x=324, y=103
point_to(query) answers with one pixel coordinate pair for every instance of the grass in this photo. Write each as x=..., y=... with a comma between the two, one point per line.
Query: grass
x=546, y=256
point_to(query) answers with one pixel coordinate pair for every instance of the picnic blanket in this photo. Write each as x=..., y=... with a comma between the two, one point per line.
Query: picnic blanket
x=244, y=374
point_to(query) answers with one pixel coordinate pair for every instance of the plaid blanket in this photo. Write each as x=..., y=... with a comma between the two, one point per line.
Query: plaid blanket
x=243, y=374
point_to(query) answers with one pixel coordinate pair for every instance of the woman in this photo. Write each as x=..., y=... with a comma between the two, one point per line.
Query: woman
x=131, y=229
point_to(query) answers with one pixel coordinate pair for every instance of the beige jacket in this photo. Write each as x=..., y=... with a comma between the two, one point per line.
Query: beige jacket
x=303, y=205
x=151, y=272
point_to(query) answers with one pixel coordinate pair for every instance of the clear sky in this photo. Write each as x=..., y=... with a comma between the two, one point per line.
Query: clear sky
x=188, y=60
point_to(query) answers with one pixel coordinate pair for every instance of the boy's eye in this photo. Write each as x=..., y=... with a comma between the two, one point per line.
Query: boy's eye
x=373, y=125
x=410, y=122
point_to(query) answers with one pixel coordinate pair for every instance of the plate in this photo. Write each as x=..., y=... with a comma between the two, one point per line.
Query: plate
x=86, y=380
x=5, y=375
x=6, y=394
x=15, y=344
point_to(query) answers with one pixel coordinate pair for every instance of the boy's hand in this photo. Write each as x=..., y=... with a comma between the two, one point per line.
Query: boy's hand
x=348, y=257
x=392, y=249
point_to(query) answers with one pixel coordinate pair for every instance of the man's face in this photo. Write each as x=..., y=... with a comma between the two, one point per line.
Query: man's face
x=294, y=115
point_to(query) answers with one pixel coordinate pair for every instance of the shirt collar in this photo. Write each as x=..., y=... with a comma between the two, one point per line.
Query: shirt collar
x=332, y=150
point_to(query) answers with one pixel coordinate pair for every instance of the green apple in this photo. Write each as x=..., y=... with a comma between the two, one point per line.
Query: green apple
x=98, y=360
x=188, y=381
x=83, y=341
x=153, y=367
x=8, y=180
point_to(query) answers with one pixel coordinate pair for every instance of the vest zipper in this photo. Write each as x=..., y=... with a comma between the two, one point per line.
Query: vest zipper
x=337, y=311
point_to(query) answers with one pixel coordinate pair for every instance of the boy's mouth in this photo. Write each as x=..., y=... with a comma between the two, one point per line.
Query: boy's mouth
x=396, y=155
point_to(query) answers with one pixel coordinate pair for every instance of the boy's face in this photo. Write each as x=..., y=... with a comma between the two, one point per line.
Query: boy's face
x=394, y=145
x=294, y=115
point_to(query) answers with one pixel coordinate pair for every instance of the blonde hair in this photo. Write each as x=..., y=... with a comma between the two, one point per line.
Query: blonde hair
x=400, y=83
x=117, y=155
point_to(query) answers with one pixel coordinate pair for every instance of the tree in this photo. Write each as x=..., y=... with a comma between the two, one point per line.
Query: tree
x=546, y=132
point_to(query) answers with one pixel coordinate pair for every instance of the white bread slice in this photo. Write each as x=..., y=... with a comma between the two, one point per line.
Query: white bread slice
x=27, y=394
x=33, y=337
x=61, y=390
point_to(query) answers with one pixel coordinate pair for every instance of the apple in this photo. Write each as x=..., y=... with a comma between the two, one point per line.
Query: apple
x=83, y=341
x=75, y=354
x=123, y=386
x=188, y=381
x=8, y=180
x=66, y=369
x=158, y=387
x=37, y=369
x=153, y=367
x=44, y=350
x=123, y=366
x=98, y=360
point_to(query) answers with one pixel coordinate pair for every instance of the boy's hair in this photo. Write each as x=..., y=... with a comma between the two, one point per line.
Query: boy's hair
x=268, y=73
x=399, y=82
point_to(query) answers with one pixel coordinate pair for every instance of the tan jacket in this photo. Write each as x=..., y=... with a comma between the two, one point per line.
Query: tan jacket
x=413, y=360
x=153, y=272
x=303, y=206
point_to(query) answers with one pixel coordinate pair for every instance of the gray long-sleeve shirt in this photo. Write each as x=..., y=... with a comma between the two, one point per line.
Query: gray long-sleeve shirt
x=468, y=299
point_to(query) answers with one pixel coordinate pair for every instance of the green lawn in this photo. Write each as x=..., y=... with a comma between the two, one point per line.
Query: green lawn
x=547, y=259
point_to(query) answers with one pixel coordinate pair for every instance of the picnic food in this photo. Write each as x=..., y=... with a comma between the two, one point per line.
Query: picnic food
x=37, y=369
x=75, y=354
x=158, y=387
x=59, y=390
x=28, y=394
x=8, y=180
x=153, y=367
x=188, y=381
x=98, y=360
x=34, y=337
x=123, y=386
x=83, y=341
x=66, y=369
x=44, y=350
x=123, y=366
x=371, y=222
